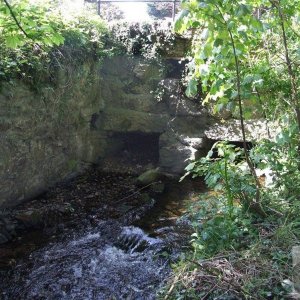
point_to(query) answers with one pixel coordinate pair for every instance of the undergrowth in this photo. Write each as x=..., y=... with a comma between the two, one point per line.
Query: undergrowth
x=244, y=60
x=238, y=254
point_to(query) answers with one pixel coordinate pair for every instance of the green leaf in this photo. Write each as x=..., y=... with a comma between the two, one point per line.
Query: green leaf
x=242, y=10
x=12, y=41
x=57, y=39
x=256, y=24
x=190, y=166
x=218, y=42
x=180, y=24
x=231, y=25
x=221, y=151
x=192, y=88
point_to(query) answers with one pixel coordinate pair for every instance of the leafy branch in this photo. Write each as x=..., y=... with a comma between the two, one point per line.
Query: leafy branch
x=217, y=60
x=289, y=63
x=15, y=19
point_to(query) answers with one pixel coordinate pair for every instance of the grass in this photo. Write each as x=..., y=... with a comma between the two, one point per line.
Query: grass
x=259, y=267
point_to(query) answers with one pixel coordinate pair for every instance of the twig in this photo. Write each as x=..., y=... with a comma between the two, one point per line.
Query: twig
x=235, y=286
x=171, y=288
x=277, y=213
x=136, y=192
x=207, y=260
x=207, y=294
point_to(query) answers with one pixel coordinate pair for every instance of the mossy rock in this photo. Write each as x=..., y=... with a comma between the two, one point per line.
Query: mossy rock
x=149, y=177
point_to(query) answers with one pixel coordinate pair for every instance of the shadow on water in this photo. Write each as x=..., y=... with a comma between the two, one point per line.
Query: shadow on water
x=167, y=219
x=103, y=248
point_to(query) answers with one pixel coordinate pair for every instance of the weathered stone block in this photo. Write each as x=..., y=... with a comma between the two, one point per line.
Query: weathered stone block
x=125, y=120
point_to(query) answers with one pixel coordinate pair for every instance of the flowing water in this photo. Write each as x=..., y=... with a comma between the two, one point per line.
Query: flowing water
x=119, y=249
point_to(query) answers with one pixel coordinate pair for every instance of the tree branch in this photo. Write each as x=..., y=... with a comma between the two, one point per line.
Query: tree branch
x=255, y=205
x=288, y=61
x=15, y=19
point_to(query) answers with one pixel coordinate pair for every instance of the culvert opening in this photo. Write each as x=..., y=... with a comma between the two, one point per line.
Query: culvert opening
x=136, y=147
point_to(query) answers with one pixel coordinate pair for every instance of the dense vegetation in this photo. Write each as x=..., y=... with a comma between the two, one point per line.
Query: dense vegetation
x=162, y=10
x=50, y=33
x=34, y=47
x=244, y=59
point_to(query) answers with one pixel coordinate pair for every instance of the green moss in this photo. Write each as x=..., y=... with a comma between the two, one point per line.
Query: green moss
x=72, y=165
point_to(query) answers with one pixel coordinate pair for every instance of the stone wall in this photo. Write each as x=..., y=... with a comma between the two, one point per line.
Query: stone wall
x=138, y=97
x=46, y=135
x=50, y=134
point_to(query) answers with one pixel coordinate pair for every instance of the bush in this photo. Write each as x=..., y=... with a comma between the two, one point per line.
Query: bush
x=44, y=38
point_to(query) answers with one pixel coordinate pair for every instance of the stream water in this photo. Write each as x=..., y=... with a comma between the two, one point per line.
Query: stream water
x=117, y=244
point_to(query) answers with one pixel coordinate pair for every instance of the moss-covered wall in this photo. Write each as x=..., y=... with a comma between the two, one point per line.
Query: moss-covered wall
x=46, y=134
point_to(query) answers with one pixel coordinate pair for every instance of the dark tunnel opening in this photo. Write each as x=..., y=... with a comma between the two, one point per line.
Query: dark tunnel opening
x=136, y=147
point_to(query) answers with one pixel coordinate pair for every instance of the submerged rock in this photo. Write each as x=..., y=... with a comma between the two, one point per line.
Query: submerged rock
x=133, y=239
x=157, y=188
x=31, y=218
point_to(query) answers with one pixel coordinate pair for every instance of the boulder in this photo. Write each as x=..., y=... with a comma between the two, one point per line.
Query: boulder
x=3, y=238
x=177, y=150
x=178, y=49
x=174, y=159
x=178, y=104
x=7, y=228
x=126, y=120
x=146, y=71
x=255, y=130
x=149, y=177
